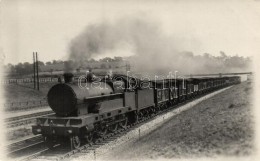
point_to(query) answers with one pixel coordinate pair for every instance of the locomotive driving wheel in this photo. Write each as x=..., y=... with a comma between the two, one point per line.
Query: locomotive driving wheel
x=75, y=142
x=89, y=137
x=123, y=124
x=102, y=131
x=112, y=128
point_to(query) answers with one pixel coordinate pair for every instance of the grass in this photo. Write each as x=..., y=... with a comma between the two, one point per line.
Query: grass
x=231, y=105
x=25, y=92
x=19, y=133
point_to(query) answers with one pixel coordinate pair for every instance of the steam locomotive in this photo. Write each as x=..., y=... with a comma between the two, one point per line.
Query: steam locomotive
x=87, y=110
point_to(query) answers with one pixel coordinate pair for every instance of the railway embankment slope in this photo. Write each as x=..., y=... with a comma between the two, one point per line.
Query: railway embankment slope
x=219, y=126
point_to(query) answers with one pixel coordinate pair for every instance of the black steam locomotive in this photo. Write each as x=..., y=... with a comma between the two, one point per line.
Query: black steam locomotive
x=89, y=110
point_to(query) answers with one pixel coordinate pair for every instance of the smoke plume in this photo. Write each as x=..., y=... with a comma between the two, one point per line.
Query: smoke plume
x=151, y=50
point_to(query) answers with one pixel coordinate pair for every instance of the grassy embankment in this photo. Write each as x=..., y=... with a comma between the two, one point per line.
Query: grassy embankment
x=219, y=126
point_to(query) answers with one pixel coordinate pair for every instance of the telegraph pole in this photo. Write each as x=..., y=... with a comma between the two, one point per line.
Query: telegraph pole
x=127, y=66
x=37, y=72
x=34, y=81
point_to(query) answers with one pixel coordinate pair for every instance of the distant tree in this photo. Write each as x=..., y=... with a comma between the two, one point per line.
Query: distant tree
x=106, y=59
x=223, y=54
x=19, y=68
x=9, y=68
x=118, y=58
x=54, y=62
x=51, y=71
x=59, y=62
x=92, y=60
x=103, y=66
x=26, y=63
x=206, y=55
x=78, y=70
x=48, y=63
x=24, y=68
x=69, y=65
x=40, y=63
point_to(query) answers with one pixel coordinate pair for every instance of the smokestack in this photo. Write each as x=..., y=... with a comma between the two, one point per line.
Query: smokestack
x=68, y=77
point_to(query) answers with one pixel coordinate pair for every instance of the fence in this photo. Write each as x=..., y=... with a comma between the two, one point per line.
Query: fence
x=28, y=80
x=27, y=104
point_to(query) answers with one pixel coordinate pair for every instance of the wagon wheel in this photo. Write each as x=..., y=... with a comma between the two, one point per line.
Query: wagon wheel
x=75, y=142
x=153, y=111
x=89, y=137
x=123, y=124
x=140, y=116
x=146, y=113
x=150, y=112
x=112, y=128
x=160, y=107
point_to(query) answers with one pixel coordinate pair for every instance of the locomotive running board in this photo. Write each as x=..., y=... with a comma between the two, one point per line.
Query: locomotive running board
x=103, y=98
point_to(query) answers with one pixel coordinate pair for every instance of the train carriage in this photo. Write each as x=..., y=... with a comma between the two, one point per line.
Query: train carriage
x=161, y=92
x=190, y=88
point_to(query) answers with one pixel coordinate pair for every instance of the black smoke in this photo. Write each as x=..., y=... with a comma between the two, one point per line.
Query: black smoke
x=152, y=50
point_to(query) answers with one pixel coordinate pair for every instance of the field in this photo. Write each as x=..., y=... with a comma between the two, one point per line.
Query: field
x=15, y=93
x=219, y=126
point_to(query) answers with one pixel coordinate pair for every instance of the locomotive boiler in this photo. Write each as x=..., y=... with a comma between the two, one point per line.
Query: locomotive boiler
x=71, y=98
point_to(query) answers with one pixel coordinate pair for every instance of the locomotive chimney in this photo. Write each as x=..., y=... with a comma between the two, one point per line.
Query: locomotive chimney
x=68, y=77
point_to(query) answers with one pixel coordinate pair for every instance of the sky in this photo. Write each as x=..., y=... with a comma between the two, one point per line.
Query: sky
x=48, y=26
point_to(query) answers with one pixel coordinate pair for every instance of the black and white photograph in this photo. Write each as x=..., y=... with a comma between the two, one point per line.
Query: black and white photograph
x=129, y=80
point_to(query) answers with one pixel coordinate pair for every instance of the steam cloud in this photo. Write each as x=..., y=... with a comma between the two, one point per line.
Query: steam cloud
x=152, y=51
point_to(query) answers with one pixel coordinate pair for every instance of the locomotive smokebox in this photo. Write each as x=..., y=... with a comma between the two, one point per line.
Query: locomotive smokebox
x=65, y=99
x=68, y=77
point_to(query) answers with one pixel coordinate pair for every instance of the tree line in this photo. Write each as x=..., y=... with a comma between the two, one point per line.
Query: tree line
x=27, y=68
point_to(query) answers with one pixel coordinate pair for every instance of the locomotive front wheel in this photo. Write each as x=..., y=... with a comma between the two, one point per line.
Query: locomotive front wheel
x=75, y=142
x=89, y=137
x=49, y=142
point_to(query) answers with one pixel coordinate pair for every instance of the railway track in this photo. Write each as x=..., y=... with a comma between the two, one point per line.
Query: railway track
x=60, y=153
x=25, y=119
x=25, y=147
x=40, y=152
